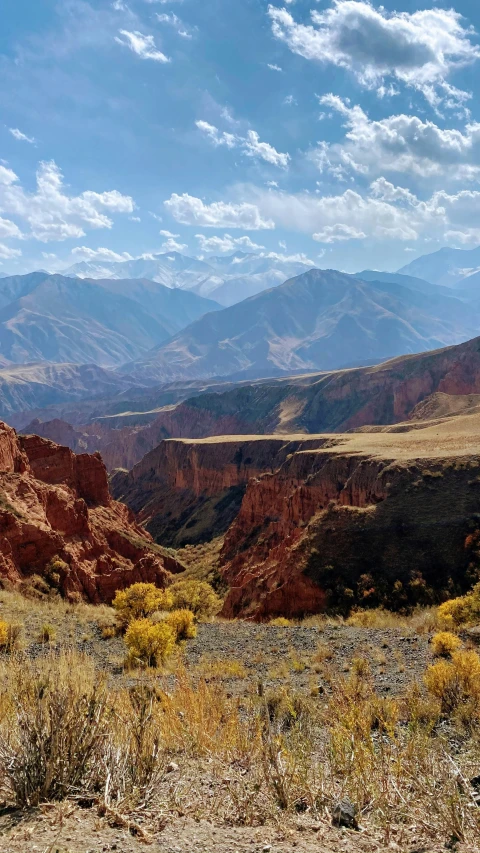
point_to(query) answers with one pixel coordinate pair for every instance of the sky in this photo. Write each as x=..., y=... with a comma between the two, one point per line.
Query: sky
x=340, y=132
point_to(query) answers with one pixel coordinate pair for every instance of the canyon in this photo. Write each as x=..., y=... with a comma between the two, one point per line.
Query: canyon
x=383, y=518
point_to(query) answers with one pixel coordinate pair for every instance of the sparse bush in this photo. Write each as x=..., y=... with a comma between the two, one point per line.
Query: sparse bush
x=455, y=682
x=183, y=624
x=221, y=668
x=197, y=596
x=444, y=644
x=48, y=633
x=57, y=725
x=139, y=601
x=148, y=643
x=280, y=622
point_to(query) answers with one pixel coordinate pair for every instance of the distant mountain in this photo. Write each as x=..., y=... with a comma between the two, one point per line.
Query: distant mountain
x=410, y=281
x=55, y=318
x=447, y=266
x=320, y=320
x=226, y=278
x=37, y=385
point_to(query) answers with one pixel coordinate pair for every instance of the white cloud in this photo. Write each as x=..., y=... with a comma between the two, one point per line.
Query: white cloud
x=250, y=145
x=419, y=49
x=227, y=243
x=52, y=214
x=337, y=233
x=172, y=245
x=273, y=67
x=164, y=233
x=289, y=101
x=84, y=253
x=9, y=229
x=385, y=212
x=217, y=137
x=143, y=46
x=22, y=137
x=176, y=23
x=400, y=143
x=298, y=258
x=6, y=252
x=254, y=148
x=189, y=210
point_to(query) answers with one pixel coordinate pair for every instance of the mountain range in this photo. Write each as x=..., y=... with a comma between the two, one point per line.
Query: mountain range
x=226, y=278
x=320, y=320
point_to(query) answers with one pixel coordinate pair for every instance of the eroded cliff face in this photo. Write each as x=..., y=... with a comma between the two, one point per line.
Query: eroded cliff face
x=336, y=530
x=56, y=506
x=188, y=491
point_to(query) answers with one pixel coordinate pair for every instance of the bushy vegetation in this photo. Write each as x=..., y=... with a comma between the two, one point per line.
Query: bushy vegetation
x=182, y=623
x=464, y=610
x=444, y=643
x=456, y=683
x=139, y=601
x=149, y=643
x=197, y=596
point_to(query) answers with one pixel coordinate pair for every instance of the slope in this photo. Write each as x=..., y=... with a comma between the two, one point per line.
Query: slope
x=446, y=267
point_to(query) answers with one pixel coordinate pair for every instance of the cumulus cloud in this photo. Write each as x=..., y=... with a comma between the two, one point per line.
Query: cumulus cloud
x=298, y=258
x=250, y=145
x=172, y=245
x=384, y=212
x=22, y=137
x=273, y=67
x=50, y=213
x=84, y=253
x=420, y=49
x=227, y=243
x=337, y=233
x=189, y=210
x=399, y=143
x=144, y=46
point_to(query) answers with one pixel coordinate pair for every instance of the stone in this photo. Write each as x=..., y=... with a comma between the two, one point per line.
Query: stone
x=171, y=767
x=344, y=813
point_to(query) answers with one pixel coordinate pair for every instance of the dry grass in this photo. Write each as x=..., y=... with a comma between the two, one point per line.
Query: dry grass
x=263, y=756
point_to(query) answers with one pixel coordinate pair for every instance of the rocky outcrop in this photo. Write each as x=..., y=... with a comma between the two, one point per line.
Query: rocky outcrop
x=58, y=520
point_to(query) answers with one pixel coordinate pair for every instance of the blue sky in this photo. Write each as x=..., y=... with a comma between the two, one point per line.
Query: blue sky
x=344, y=132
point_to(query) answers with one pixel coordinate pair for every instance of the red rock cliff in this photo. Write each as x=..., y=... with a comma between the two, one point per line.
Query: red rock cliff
x=54, y=504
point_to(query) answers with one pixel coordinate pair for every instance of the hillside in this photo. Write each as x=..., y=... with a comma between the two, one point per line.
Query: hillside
x=32, y=386
x=59, y=319
x=320, y=320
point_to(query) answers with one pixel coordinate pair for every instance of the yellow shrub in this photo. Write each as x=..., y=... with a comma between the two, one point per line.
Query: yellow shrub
x=47, y=634
x=280, y=622
x=183, y=624
x=456, y=681
x=139, y=601
x=148, y=643
x=10, y=636
x=197, y=596
x=444, y=644
x=462, y=610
